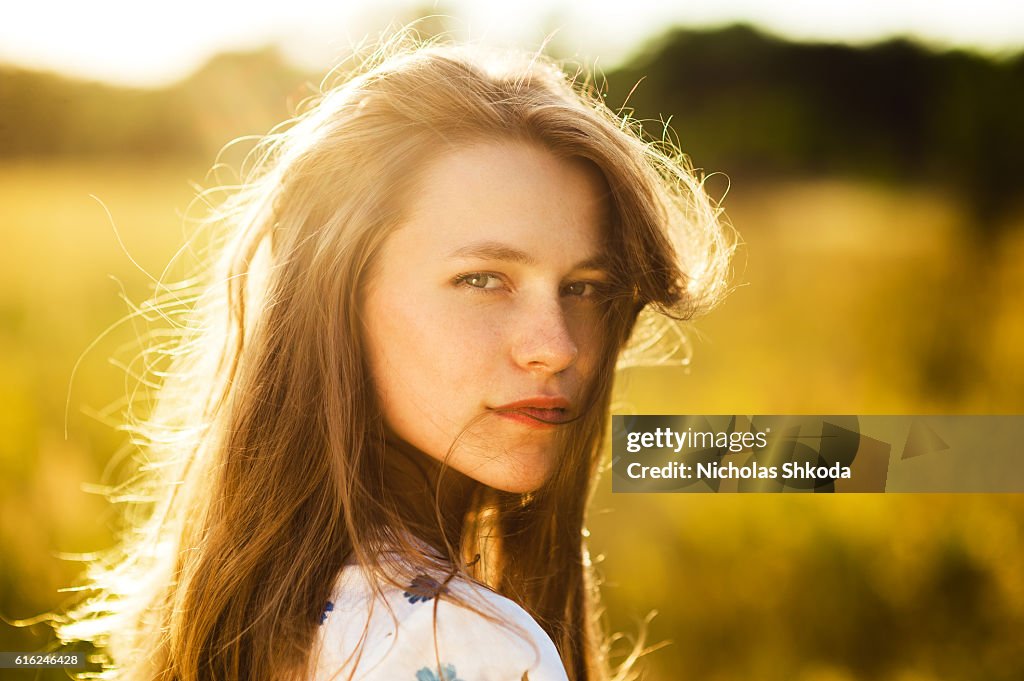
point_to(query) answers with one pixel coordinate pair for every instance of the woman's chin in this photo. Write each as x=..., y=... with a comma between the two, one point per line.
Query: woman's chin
x=519, y=486
x=522, y=480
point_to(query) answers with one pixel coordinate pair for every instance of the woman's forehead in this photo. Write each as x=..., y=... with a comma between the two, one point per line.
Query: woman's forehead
x=514, y=194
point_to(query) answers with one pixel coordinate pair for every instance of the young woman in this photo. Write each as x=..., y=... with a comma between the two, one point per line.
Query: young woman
x=372, y=453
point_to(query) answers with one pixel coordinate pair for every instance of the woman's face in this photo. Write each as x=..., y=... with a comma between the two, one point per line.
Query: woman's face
x=483, y=313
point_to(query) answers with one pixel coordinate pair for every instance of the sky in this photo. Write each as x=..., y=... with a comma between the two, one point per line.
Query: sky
x=151, y=44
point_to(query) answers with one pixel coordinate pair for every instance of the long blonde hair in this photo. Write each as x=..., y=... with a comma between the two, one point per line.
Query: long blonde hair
x=261, y=462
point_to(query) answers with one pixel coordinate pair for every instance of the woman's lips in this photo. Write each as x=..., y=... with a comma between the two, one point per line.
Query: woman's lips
x=540, y=412
x=538, y=418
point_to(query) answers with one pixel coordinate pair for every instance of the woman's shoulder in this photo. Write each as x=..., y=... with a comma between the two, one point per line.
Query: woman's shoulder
x=431, y=627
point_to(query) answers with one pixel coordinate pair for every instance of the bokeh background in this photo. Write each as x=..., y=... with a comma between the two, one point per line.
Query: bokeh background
x=871, y=161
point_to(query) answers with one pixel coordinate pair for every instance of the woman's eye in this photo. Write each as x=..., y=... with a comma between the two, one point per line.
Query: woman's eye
x=480, y=280
x=580, y=289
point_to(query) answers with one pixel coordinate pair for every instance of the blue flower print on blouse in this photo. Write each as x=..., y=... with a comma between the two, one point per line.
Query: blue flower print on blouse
x=424, y=588
x=447, y=674
x=327, y=609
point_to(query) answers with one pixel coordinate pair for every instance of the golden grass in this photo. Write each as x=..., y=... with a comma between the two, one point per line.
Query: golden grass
x=843, y=285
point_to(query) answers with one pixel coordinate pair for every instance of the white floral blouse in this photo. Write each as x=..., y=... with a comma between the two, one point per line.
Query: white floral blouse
x=420, y=634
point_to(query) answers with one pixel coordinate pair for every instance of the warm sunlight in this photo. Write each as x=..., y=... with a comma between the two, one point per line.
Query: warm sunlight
x=140, y=44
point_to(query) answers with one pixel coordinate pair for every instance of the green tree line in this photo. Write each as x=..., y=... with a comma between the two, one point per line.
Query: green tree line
x=740, y=101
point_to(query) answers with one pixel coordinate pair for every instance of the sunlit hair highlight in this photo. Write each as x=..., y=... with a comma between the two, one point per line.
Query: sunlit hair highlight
x=262, y=462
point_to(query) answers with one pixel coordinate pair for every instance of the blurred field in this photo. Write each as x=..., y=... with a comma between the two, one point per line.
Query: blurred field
x=856, y=298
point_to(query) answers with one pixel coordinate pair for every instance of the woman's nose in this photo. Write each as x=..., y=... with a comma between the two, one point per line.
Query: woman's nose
x=544, y=340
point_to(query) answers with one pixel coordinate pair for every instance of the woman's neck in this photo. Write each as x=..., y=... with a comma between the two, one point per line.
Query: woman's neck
x=432, y=499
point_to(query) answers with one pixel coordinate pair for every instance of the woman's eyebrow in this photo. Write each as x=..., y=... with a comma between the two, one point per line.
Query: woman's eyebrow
x=495, y=250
